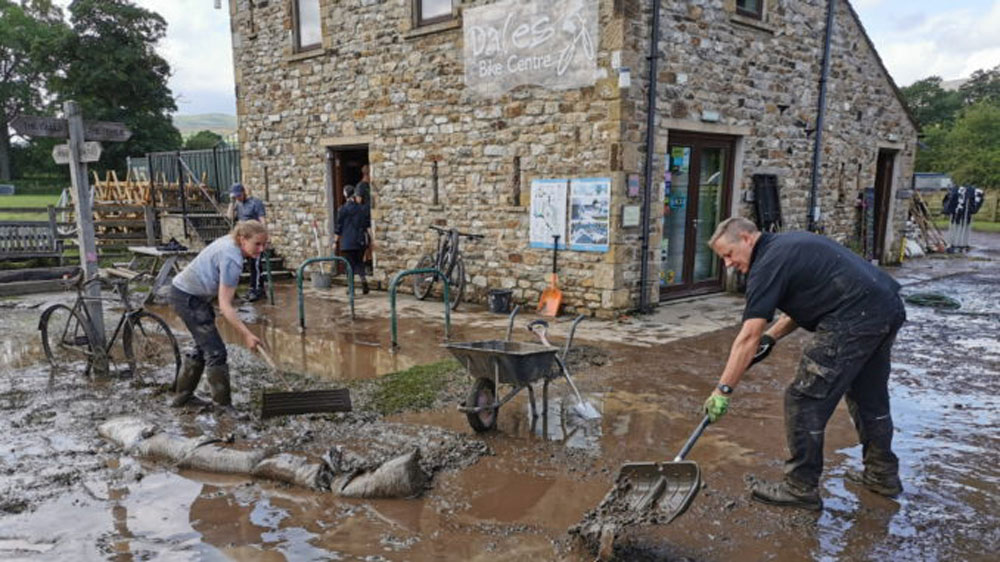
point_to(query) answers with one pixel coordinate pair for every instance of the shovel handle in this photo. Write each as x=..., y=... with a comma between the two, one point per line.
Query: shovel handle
x=691, y=440
x=274, y=368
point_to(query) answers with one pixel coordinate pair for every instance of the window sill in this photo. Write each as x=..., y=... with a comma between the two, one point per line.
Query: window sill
x=433, y=28
x=753, y=23
x=303, y=55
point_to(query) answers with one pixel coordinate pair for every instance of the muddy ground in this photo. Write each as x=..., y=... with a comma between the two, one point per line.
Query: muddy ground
x=510, y=494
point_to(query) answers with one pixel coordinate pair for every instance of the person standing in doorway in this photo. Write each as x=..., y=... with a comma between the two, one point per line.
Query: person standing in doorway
x=854, y=310
x=364, y=190
x=214, y=273
x=353, y=232
x=242, y=208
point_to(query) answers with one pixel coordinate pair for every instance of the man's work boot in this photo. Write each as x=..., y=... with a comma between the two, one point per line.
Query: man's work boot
x=364, y=287
x=786, y=495
x=887, y=485
x=187, y=381
x=218, y=379
x=255, y=295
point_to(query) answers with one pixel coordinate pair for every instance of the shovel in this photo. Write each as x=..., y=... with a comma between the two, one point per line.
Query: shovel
x=551, y=299
x=669, y=486
x=302, y=402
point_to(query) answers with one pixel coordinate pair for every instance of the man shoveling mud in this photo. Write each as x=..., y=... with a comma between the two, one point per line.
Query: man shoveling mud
x=855, y=311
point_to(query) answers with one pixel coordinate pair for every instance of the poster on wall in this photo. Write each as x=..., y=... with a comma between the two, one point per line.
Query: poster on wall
x=548, y=212
x=590, y=204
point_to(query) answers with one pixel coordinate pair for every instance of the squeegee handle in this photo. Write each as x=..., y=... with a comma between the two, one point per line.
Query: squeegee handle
x=691, y=440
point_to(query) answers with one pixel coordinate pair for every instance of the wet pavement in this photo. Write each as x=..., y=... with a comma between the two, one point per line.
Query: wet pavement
x=70, y=495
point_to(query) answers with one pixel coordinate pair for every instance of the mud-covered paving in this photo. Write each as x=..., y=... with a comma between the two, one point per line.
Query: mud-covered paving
x=512, y=495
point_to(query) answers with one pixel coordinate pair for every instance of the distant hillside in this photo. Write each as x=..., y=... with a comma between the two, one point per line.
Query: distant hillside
x=216, y=122
x=952, y=85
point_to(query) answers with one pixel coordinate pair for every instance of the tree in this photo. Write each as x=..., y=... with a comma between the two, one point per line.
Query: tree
x=983, y=85
x=114, y=73
x=930, y=103
x=972, y=146
x=31, y=33
x=202, y=140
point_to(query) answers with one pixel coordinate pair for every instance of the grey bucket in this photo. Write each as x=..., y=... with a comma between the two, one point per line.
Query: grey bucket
x=321, y=280
x=499, y=300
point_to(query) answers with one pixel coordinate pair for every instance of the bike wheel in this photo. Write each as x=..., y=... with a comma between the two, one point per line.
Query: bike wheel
x=422, y=283
x=150, y=347
x=67, y=338
x=483, y=394
x=457, y=280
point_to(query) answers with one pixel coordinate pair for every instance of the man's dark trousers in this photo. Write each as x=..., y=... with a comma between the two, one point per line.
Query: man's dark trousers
x=851, y=360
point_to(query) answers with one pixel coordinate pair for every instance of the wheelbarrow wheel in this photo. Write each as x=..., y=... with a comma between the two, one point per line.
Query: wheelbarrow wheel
x=483, y=394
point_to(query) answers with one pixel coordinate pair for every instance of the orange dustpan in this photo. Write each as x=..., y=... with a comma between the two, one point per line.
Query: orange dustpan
x=551, y=299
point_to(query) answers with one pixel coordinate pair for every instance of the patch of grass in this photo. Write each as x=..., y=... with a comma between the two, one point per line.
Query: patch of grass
x=414, y=388
x=40, y=201
x=977, y=225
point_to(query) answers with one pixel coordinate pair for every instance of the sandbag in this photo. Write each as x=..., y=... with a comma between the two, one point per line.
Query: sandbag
x=295, y=470
x=398, y=478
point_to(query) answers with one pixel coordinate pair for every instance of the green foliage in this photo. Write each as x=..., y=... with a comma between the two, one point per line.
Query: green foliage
x=415, y=388
x=972, y=150
x=202, y=140
x=114, y=73
x=930, y=103
x=983, y=85
x=31, y=34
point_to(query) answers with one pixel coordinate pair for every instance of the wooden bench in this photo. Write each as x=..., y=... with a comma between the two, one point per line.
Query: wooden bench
x=21, y=240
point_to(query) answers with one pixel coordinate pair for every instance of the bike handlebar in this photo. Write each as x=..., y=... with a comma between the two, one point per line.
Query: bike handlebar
x=460, y=233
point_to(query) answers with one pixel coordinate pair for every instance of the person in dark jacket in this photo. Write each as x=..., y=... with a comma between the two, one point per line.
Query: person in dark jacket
x=353, y=232
x=854, y=310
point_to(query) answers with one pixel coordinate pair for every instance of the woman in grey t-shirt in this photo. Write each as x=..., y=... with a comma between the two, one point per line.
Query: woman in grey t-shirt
x=215, y=272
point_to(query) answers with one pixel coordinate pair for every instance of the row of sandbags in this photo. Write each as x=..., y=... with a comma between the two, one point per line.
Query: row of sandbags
x=399, y=477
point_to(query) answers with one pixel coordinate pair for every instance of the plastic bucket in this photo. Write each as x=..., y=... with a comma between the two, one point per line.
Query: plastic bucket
x=499, y=300
x=321, y=280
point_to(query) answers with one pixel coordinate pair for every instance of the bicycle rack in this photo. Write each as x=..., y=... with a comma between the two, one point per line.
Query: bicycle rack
x=392, y=299
x=298, y=285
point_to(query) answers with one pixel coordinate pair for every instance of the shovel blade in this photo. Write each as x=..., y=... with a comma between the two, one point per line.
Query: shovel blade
x=668, y=487
x=548, y=304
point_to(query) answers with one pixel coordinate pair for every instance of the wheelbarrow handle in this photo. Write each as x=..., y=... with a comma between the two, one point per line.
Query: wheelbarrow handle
x=691, y=440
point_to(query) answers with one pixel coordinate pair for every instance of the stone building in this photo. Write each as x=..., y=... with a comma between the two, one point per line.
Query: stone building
x=520, y=118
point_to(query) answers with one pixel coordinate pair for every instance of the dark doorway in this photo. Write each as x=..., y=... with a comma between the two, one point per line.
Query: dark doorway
x=883, y=196
x=343, y=168
x=696, y=198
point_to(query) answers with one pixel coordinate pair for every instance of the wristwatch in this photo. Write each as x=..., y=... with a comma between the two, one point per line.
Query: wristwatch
x=725, y=389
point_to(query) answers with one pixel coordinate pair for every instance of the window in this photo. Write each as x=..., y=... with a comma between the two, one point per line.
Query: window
x=432, y=11
x=308, y=33
x=750, y=8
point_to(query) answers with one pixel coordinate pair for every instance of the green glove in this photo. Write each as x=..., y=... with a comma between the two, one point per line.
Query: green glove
x=716, y=406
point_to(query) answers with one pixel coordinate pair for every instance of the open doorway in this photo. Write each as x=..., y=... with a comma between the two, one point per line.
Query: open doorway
x=343, y=167
x=883, y=197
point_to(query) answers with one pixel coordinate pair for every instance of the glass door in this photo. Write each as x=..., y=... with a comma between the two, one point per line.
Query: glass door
x=696, y=196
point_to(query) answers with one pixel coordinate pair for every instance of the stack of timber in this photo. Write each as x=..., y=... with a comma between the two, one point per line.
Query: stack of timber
x=927, y=234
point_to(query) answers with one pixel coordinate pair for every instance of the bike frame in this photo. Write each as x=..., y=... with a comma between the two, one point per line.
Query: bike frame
x=82, y=299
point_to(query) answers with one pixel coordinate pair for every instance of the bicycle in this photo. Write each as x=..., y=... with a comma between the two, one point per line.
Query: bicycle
x=447, y=259
x=68, y=334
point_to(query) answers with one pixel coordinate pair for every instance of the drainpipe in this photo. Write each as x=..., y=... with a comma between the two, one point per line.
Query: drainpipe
x=820, y=112
x=647, y=190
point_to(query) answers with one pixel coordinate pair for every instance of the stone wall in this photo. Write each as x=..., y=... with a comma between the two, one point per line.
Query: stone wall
x=762, y=78
x=379, y=82
x=401, y=92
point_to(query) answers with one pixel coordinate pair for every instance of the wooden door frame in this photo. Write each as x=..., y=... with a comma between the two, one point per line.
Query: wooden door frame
x=699, y=141
x=885, y=167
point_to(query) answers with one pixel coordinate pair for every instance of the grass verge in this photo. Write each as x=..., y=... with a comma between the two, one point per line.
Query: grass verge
x=415, y=388
x=40, y=201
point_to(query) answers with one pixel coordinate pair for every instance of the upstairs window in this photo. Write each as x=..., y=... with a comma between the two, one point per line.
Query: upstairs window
x=750, y=8
x=307, y=32
x=432, y=11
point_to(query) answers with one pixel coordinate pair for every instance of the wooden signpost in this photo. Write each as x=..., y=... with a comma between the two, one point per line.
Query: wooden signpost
x=77, y=152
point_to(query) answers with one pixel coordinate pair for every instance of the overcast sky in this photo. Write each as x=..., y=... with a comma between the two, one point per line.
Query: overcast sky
x=915, y=38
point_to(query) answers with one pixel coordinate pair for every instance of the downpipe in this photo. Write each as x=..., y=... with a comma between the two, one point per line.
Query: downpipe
x=820, y=114
x=647, y=189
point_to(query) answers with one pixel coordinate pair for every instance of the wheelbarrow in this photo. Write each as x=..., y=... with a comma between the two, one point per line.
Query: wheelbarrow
x=519, y=364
